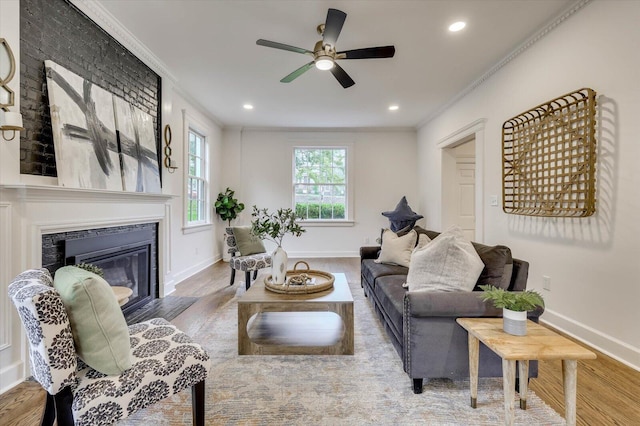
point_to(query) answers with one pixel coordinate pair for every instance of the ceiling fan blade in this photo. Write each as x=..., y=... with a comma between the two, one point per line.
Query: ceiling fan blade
x=333, y=26
x=297, y=73
x=369, y=53
x=342, y=76
x=282, y=46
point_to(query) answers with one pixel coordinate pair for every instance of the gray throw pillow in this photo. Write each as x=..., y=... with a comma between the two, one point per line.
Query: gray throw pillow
x=402, y=216
x=247, y=242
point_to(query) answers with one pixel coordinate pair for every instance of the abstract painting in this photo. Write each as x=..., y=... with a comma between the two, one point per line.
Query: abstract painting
x=84, y=132
x=148, y=177
x=128, y=144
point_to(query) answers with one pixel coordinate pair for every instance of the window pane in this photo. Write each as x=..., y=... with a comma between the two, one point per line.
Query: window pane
x=198, y=167
x=197, y=201
x=319, y=183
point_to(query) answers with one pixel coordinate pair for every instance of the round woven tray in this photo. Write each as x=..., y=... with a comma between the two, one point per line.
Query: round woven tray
x=301, y=281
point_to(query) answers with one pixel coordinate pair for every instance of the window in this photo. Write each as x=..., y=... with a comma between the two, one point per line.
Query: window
x=320, y=183
x=197, y=199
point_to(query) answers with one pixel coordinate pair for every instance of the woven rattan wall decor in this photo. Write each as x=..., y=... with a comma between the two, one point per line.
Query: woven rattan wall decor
x=549, y=157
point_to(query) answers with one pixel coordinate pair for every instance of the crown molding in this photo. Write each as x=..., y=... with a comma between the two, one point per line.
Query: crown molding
x=566, y=14
x=103, y=18
x=197, y=106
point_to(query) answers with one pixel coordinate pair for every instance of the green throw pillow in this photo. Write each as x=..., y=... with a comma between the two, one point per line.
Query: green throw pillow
x=247, y=242
x=99, y=329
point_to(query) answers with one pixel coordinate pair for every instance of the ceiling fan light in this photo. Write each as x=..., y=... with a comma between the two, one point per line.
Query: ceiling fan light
x=324, y=63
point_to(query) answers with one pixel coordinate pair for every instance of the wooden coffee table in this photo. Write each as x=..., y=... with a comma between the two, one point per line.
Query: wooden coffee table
x=302, y=324
x=540, y=343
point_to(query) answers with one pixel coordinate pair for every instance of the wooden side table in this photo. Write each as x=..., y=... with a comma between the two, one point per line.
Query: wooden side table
x=540, y=343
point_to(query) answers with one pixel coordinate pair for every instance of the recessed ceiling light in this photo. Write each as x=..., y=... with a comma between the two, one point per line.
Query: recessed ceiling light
x=457, y=26
x=393, y=107
x=247, y=106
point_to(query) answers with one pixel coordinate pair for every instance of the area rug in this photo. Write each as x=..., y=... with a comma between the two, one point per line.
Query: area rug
x=167, y=307
x=368, y=388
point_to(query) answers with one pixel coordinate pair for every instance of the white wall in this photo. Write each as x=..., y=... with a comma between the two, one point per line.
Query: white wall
x=592, y=262
x=191, y=250
x=258, y=165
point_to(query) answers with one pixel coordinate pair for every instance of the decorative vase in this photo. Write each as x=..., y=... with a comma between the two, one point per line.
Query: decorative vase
x=279, y=261
x=514, y=322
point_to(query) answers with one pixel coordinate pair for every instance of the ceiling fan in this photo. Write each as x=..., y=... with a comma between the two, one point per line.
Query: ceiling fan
x=324, y=53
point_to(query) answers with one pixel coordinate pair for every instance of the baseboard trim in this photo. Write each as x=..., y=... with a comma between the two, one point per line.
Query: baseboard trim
x=12, y=376
x=322, y=254
x=170, y=284
x=616, y=349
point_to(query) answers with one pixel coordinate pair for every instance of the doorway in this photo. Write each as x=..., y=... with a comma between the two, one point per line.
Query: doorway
x=459, y=188
x=461, y=196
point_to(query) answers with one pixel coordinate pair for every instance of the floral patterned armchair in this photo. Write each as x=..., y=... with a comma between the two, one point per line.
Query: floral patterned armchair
x=164, y=361
x=252, y=262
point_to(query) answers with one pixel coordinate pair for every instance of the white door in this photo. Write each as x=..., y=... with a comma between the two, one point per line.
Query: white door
x=464, y=202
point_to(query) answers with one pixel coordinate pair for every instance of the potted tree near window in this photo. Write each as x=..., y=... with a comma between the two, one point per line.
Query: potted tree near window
x=515, y=305
x=228, y=208
x=274, y=227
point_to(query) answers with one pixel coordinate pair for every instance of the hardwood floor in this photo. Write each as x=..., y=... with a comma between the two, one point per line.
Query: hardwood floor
x=607, y=390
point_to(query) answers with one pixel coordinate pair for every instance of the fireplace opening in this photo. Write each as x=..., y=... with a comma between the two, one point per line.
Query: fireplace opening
x=125, y=259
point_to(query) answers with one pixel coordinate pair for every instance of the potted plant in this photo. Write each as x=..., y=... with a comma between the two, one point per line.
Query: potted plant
x=273, y=227
x=228, y=208
x=515, y=305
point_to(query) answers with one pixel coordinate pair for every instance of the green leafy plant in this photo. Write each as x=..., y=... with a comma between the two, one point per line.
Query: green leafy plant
x=275, y=226
x=512, y=300
x=228, y=207
x=91, y=268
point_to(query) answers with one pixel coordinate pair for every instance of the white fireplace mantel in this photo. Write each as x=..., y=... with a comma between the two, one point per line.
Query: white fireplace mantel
x=63, y=193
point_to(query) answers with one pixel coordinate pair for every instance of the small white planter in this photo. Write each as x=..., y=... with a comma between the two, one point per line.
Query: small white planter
x=279, y=260
x=514, y=322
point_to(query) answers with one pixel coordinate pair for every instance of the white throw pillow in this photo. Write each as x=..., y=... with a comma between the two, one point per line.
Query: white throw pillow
x=448, y=263
x=423, y=240
x=397, y=250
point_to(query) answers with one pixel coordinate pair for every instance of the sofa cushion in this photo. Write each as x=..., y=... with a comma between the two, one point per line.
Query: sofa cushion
x=448, y=263
x=390, y=295
x=401, y=232
x=395, y=249
x=372, y=270
x=498, y=265
x=420, y=230
x=497, y=260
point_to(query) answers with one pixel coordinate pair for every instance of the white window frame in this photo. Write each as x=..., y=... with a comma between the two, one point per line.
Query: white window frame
x=349, y=190
x=190, y=126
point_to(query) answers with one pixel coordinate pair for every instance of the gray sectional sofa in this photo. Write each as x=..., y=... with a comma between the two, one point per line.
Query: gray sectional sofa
x=422, y=325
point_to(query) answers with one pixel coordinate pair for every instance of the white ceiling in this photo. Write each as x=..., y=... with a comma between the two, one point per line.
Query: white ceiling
x=209, y=46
